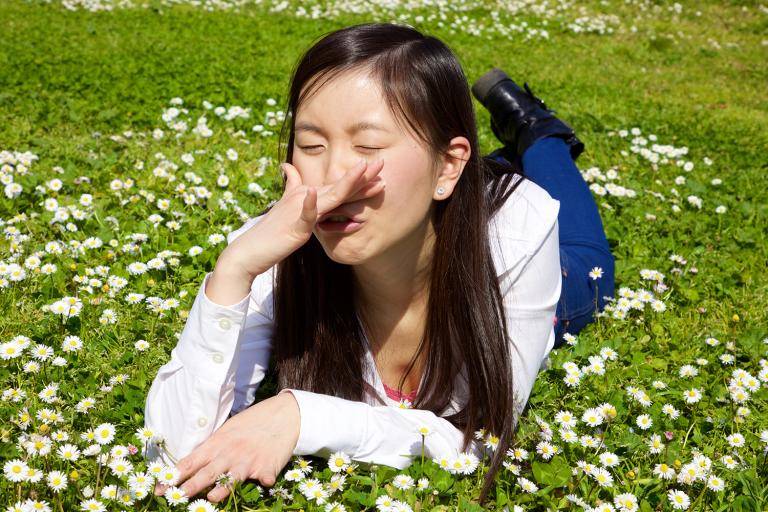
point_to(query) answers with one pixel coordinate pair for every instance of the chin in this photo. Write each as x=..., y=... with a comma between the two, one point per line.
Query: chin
x=344, y=255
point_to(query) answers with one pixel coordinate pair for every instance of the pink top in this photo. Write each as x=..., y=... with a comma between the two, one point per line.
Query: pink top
x=396, y=395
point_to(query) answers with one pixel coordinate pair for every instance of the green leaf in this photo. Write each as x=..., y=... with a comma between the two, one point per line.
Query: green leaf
x=501, y=498
x=744, y=504
x=689, y=293
x=442, y=481
x=469, y=506
x=362, y=498
x=658, y=329
x=363, y=480
x=555, y=473
x=250, y=493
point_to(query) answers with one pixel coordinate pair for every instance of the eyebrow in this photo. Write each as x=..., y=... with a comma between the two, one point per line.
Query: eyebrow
x=357, y=127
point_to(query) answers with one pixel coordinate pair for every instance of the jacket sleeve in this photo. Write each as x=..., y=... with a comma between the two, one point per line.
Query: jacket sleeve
x=215, y=368
x=376, y=434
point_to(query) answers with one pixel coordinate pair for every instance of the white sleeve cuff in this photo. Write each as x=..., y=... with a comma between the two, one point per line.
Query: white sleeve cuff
x=208, y=342
x=327, y=425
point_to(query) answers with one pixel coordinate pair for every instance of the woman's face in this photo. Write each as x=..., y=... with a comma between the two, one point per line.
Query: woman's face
x=347, y=120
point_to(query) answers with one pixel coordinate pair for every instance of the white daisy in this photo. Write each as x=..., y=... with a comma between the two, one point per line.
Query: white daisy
x=609, y=459
x=105, y=433
x=715, y=483
x=678, y=499
x=592, y=417
x=527, y=485
x=15, y=470
x=201, y=505
x=338, y=462
x=175, y=495
x=735, y=440
x=602, y=477
x=644, y=421
x=403, y=482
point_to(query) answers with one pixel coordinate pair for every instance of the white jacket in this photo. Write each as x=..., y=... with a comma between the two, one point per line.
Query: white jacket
x=222, y=354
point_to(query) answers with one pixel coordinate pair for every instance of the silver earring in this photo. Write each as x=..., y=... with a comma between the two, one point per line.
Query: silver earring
x=440, y=190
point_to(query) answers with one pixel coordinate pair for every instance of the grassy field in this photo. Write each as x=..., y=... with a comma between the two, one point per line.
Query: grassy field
x=100, y=126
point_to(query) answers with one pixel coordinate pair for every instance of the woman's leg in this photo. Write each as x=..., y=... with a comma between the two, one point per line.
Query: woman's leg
x=583, y=245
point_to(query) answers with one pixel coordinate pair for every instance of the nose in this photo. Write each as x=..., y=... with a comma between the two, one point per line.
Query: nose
x=339, y=163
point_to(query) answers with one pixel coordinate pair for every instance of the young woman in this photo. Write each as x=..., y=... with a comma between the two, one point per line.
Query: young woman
x=398, y=264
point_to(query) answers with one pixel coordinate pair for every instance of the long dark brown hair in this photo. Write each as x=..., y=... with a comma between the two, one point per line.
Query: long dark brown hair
x=319, y=342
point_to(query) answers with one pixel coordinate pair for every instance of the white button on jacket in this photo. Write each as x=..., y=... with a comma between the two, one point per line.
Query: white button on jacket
x=190, y=397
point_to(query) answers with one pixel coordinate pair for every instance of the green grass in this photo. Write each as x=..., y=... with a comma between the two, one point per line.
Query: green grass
x=691, y=80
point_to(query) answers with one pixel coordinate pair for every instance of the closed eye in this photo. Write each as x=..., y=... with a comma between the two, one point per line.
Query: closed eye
x=318, y=147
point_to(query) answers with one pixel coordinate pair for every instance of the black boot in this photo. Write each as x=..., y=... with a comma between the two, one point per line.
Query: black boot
x=518, y=118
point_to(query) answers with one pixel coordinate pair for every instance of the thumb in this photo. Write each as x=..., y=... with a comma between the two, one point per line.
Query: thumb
x=292, y=176
x=309, y=207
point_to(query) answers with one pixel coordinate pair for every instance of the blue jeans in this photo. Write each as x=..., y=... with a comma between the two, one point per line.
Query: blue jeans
x=583, y=244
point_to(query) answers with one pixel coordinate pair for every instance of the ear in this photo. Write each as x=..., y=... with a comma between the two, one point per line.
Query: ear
x=451, y=166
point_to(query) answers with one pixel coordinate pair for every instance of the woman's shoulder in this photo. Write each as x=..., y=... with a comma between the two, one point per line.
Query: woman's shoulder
x=521, y=225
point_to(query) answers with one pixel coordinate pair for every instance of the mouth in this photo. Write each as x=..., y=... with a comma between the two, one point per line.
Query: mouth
x=339, y=224
x=341, y=214
x=341, y=220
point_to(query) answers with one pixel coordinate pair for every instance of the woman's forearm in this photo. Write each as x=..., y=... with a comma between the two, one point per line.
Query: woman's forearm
x=228, y=284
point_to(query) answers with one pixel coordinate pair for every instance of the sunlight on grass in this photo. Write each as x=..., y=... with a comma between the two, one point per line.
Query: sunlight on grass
x=131, y=146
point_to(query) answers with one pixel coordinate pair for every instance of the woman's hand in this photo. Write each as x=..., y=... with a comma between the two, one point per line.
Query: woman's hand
x=289, y=223
x=255, y=444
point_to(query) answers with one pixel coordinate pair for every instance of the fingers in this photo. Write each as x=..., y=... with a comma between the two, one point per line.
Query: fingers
x=218, y=493
x=351, y=183
x=373, y=168
x=361, y=174
x=225, y=485
x=205, y=477
x=267, y=480
x=370, y=189
x=309, y=207
x=292, y=176
x=344, y=186
x=186, y=467
x=190, y=464
x=197, y=470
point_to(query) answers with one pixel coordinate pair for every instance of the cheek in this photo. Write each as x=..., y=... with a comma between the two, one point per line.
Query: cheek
x=306, y=169
x=409, y=180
